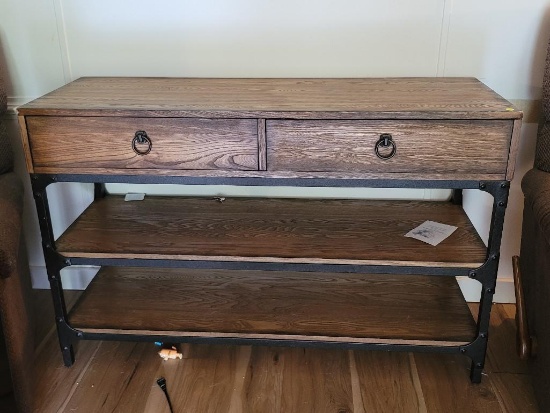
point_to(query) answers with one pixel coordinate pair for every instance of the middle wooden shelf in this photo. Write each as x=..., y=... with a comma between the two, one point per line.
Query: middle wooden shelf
x=363, y=232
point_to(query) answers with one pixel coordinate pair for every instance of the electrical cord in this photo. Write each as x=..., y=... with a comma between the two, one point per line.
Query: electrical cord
x=162, y=384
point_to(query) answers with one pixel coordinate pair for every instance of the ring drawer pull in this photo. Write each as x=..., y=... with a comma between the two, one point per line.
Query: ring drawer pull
x=385, y=141
x=141, y=138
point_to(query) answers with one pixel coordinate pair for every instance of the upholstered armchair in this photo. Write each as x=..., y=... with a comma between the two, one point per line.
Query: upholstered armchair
x=16, y=333
x=534, y=275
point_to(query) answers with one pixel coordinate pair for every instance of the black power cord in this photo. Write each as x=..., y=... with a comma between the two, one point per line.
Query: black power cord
x=162, y=384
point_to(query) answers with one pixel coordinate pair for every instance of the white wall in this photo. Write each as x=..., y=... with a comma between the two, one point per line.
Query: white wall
x=45, y=44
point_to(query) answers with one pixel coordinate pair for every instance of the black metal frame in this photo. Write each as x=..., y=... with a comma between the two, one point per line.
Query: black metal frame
x=485, y=274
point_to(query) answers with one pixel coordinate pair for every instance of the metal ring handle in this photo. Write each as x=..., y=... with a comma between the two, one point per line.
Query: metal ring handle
x=385, y=141
x=141, y=138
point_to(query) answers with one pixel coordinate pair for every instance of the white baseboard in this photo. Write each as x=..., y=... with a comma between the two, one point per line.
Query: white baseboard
x=73, y=278
x=504, y=292
x=78, y=278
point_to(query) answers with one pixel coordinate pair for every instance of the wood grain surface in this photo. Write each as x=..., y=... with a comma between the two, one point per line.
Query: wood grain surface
x=446, y=387
x=219, y=141
x=241, y=303
x=509, y=374
x=262, y=145
x=380, y=98
x=106, y=142
x=207, y=380
x=25, y=143
x=514, y=393
x=514, y=149
x=422, y=147
x=256, y=302
x=292, y=230
x=394, y=369
x=208, y=174
x=504, y=332
x=294, y=377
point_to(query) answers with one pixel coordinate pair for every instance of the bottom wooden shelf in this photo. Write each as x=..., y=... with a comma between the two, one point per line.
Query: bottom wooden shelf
x=270, y=305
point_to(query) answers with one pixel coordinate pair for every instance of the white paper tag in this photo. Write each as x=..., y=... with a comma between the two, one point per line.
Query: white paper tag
x=134, y=197
x=431, y=232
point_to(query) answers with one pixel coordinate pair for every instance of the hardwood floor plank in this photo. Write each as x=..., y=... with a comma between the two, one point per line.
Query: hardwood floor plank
x=44, y=312
x=126, y=391
x=514, y=392
x=338, y=231
x=447, y=388
x=386, y=382
x=299, y=380
x=265, y=371
x=156, y=400
x=54, y=381
x=355, y=384
x=508, y=309
x=502, y=351
x=204, y=380
x=317, y=380
x=417, y=385
x=502, y=354
x=241, y=369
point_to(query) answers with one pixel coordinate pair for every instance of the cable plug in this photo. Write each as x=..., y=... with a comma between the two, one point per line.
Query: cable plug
x=162, y=384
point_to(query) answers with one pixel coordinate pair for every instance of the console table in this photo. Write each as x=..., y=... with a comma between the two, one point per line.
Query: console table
x=297, y=272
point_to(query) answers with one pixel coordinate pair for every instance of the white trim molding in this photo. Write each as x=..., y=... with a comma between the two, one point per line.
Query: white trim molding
x=63, y=40
x=15, y=101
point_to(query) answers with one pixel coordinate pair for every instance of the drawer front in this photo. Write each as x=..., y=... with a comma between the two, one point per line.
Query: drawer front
x=176, y=143
x=421, y=146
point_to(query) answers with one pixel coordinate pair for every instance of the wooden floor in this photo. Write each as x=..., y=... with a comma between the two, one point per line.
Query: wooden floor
x=121, y=377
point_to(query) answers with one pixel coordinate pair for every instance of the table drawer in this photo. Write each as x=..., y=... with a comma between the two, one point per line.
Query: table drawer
x=111, y=143
x=421, y=146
